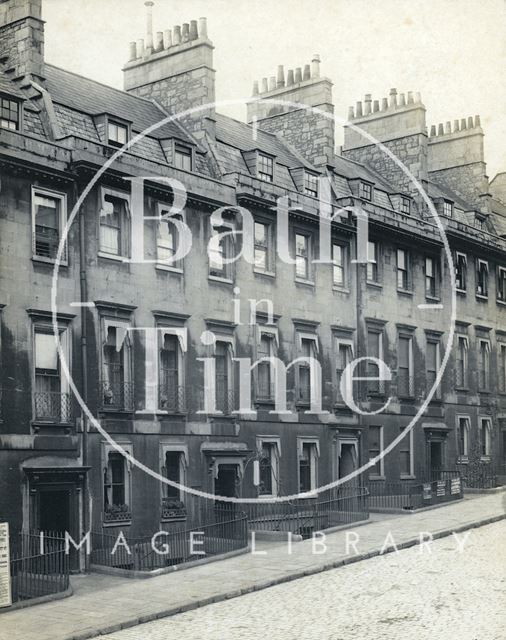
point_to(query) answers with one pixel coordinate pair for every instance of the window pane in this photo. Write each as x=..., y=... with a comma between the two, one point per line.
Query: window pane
x=46, y=354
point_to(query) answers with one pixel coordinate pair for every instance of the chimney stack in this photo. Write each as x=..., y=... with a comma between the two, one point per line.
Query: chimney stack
x=149, y=24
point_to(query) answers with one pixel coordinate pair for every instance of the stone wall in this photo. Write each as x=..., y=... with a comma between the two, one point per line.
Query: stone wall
x=469, y=182
x=22, y=38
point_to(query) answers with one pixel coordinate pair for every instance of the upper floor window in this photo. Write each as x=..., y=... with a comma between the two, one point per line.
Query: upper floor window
x=365, y=191
x=339, y=265
x=430, y=277
x=303, y=256
x=265, y=371
x=308, y=348
x=117, y=133
x=116, y=383
x=311, y=184
x=403, y=270
x=221, y=250
x=265, y=168
x=10, y=114
x=52, y=402
x=461, y=362
x=373, y=271
x=115, y=224
x=168, y=240
x=482, y=278
x=223, y=377
x=432, y=364
x=182, y=157
x=263, y=247
x=483, y=365
x=501, y=284
x=48, y=221
x=405, y=205
x=171, y=374
x=344, y=357
x=405, y=369
x=448, y=209
x=374, y=350
x=461, y=271
x=502, y=367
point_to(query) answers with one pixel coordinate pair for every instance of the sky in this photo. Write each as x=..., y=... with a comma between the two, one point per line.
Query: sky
x=452, y=51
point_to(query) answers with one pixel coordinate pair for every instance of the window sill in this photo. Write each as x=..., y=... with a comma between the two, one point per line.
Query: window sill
x=372, y=283
x=166, y=267
x=267, y=274
x=503, y=302
x=432, y=298
x=116, y=523
x=462, y=389
x=160, y=412
x=306, y=283
x=116, y=410
x=484, y=391
x=178, y=518
x=461, y=292
x=405, y=292
x=485, y=459
x=377, y=478
x=113, y=256
x=339, y=289
x=221, y=280
x=44, y=260
x=409, y=476
x=481, y=297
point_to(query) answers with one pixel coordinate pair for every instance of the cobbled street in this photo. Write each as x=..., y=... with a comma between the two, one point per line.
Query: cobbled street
x=416, y=594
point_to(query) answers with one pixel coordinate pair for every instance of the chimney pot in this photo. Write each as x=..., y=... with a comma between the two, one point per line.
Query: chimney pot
x=272, y=83
x=203, y=27
x=159, y=41
x=176, y=32
x=410, y=97
x=418, y=97
x=367, y=103
x=470, y=123
x=140, y=48
x=149, y=24
x=384, y=104
x=185, y=33
x=463, y=125
x=194, y=32
x=351, y=113
x=433, y=131
x=315, y=66
x=359, y=109
x=477, y=121
x=448, y=127
x=298, y=74
x=167, y=39
x=393, y=97
x=456, y=126
x=133, y=50
x=280, y=82
x=402, y=99
x=255, y=88
x=376, y=106
x=265, y=88
x=440, y=129
x=307, y=72
x=289, y=77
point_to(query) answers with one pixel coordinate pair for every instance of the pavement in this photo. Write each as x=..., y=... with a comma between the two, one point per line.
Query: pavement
x=104, y=604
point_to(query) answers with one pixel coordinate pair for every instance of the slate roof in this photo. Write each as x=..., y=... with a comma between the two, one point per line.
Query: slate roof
x=93, y=98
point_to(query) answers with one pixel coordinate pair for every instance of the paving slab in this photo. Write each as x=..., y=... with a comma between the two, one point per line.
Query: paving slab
x=103, y=604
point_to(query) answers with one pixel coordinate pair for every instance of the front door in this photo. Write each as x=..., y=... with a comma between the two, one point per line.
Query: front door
x=436, y=460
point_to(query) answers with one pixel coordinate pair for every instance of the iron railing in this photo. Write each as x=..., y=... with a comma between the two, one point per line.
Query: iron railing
x=52, y=406
x=223, y=530
x=304, y=516
x=39, y=565
x=117, y=395
x=171, y=398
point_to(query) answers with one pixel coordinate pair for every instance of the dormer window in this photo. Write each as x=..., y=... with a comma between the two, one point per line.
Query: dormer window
x=310, y=184
x=448, y=209
x=405, y=205
x=10, y=114
x=365, y=191
x=117, y=133
x=182, y=157
x=265, y=168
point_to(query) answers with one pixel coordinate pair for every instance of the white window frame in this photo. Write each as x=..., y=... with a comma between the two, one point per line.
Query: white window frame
x=211, y=388
x=381, y=383
x=437, y=343
x=229, y=227
x=182, y=449
x=486, y=425
x=349, y=344
x=181, y=333
x=313, y=383
x=263, y=175
x=461, y=258
x=128, y=365
x=62, y=198
x=479, y=265
x=464, y=457
x=501, y=278
x=275, y=442
x=372, y=475
x=184, y=150
x=406, y=270
x=409, y=438
x=374, y=260
x=126, y=228
x=119, y=125
x=313, y=460
x=268, y=248
x=162, y=208
x=309, y=250
x=501, y=357
x=435, y=294
x=345, y=252
x=273, y=335
x=465, y=342
x=313, y=193
x=448, y=208
x=402, y=335
x=486, y=342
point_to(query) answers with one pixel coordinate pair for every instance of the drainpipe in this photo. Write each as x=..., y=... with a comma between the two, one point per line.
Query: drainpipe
x=83, y=284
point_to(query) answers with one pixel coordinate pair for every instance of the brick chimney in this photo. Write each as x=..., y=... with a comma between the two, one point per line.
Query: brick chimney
x=309, y=132
x=399, y=123
x=175, y=68
x=456, y=160
x=22, y=40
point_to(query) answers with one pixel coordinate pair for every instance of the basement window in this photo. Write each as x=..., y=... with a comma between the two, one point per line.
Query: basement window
x=9, y=114
x=117, y=133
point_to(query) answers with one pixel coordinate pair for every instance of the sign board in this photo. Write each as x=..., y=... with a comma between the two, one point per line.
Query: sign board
x=441, y=488
x=427, y=492
x=5, y=567
x=455, y=486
